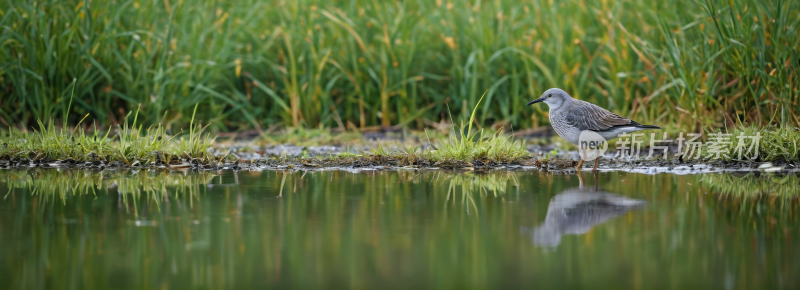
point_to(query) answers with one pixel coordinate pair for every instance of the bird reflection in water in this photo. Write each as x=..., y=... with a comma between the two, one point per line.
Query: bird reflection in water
x=577, y=210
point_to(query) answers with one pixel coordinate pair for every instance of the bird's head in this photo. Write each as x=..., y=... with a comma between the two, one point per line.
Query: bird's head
x=554, y=98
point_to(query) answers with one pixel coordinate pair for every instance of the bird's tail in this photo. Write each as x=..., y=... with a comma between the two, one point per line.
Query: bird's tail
x=648, y=127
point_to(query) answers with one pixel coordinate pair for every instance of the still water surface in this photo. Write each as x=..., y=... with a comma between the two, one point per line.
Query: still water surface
x=75, y=229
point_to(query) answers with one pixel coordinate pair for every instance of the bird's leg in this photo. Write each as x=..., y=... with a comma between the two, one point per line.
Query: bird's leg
x=583, y=157
x=596, y=160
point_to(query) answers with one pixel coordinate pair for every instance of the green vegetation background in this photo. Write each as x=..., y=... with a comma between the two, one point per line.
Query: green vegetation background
x=258, y=64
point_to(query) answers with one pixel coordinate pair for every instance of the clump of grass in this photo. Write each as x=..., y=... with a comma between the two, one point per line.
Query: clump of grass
x=469, y=146
x=133, y=146
x=780, y=143
x=52, y=142
x=410, y=155
x=496, y=147
x=196, y=146
x=774, y=143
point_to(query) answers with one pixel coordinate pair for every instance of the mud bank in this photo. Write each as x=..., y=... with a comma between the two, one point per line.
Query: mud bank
x=412, y=162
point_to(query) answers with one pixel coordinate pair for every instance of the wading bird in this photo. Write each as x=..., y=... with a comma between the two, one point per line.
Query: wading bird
x=571, y=117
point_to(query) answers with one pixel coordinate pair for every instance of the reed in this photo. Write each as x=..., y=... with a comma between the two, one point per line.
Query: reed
x=351, y=64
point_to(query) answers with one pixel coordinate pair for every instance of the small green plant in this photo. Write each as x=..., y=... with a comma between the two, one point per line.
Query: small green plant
x=380, y=150
x=133, y=147
x=196, y=144
x=496, y=147
x=553, y=153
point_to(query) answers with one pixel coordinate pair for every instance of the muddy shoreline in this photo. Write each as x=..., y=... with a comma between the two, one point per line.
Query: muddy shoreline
x=384, y=152
x=561, y=164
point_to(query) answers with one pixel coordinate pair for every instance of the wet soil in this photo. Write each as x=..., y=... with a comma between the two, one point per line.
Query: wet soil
x=304, y=158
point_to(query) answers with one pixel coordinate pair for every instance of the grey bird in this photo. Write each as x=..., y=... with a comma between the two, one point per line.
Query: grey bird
x=569, y=117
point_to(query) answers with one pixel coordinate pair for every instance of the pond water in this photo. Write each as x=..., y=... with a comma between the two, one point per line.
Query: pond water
x=75, y=229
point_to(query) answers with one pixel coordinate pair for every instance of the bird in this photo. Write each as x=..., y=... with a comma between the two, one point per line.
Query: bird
x=570, y=117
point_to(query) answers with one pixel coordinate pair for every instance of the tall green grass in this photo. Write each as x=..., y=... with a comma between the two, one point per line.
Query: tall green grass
x=358, y=63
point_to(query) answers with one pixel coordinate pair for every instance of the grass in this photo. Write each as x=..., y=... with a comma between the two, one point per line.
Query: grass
x=153, y=146
x=458, y=149
x=133, y=146
x=462, y=148
x=774, y=143
x=130, y=144
x=354, y=64
x=470, y=146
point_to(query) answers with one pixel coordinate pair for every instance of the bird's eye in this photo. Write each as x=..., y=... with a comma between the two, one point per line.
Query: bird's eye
x=550, y=95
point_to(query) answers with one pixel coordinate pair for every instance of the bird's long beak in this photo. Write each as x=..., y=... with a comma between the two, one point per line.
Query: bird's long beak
x=539, y=100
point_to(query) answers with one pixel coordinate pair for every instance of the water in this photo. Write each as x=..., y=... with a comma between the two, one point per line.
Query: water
x=336, y=229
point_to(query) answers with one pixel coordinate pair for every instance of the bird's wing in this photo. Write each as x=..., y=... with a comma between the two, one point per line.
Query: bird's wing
x=588, y=116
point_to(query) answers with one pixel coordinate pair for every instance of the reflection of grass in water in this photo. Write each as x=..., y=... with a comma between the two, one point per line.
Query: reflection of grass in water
x=338, y=229
x=753, y=184
x=477, y=185
x=131, y=185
